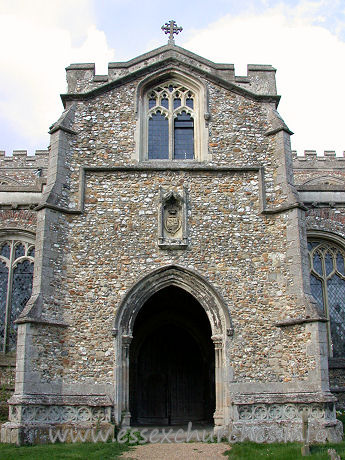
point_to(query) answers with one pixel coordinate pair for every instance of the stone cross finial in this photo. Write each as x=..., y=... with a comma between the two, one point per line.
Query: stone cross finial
x=171, y=29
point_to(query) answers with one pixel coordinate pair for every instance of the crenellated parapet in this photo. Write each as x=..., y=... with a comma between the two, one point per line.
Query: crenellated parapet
x=310, y=160
x=22, y=173
x=320, y=180
x=21, y=158
x=82, y=79
x=311, y=155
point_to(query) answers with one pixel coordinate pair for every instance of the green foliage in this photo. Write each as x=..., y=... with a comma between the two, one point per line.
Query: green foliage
x=77, y=451
x=341, y=417
x=3, y=413
x=6, y=390
x=5, y=394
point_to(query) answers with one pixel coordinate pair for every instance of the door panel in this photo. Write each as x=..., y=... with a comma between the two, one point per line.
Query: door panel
x=170, y=378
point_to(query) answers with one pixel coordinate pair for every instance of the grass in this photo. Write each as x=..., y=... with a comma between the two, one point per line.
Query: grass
x=289, y=451
x=112, y=451
x=77, y=451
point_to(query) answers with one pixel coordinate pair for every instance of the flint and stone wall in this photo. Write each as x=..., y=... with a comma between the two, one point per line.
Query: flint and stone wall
x=97, y=236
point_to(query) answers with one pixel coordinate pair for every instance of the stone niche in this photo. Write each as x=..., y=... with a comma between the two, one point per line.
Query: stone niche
x=172, y=220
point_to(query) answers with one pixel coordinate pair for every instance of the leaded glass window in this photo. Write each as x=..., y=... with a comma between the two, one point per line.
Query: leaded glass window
x=170, y=118
x=327, y=281
x=16, y=273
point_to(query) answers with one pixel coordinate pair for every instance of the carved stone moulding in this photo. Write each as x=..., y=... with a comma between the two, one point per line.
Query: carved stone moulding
x=59, y=414
x=290, y=411
x=283, y=431
x=32, y=424
x=283, y=422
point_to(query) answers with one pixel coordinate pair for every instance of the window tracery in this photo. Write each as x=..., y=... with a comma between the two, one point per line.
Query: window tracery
x=16, y=274
x=170, y=118
x=327, y=282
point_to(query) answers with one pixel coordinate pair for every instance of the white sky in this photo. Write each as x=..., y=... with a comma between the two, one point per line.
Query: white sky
x=303, y=40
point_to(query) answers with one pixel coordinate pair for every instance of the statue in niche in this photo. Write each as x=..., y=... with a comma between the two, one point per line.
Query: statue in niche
x=172, y=220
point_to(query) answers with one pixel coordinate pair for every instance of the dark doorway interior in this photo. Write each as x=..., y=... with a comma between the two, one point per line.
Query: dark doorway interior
x=172, y=361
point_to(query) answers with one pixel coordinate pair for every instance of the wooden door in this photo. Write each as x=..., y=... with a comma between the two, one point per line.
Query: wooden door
x=171, y=378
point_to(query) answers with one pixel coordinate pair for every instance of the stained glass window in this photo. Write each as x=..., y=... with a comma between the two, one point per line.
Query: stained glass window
x=170, y=122
x=327, y=281
x=16, y=273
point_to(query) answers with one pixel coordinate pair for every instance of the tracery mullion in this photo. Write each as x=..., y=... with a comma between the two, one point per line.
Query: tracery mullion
x=325, y=296
x=9, y=296
x=335, y=323
x=318, y=276
x=21, y=291
x=171, y=126
x=171, y=135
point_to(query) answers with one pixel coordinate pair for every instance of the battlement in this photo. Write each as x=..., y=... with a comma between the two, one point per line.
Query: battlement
x=24, y=153
x=310, y=160
x=21, y=172
x=81, y=78
x=312, y=155
x=20, y=158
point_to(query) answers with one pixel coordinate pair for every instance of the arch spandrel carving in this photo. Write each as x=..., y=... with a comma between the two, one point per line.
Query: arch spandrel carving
x=173, y=275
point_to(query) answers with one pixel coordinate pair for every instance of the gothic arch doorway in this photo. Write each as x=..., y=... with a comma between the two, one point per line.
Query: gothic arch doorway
x=216, y=317
x=171, y=376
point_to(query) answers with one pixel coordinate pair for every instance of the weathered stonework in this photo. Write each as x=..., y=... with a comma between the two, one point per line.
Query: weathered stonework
x=113, y=231
x=321, y=183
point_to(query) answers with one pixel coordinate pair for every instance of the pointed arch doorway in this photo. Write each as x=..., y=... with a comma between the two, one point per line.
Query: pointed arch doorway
x=204, y=295
x=171, y=374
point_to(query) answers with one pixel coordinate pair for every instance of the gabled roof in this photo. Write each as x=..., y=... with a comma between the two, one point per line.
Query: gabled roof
x=167, y=48
x=170, y=57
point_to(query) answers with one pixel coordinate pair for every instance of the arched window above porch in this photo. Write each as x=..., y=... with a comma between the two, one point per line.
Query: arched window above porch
x=171, y=119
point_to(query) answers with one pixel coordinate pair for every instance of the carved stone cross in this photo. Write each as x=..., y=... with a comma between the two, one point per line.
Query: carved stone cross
x=171, y=29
